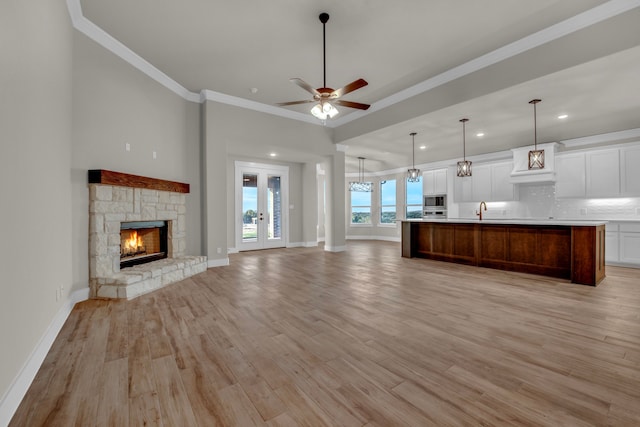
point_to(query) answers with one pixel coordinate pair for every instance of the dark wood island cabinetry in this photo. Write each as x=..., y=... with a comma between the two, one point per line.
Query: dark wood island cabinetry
x=567, y=250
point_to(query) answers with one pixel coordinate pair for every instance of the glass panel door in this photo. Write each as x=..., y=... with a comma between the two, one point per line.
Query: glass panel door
x=261, y=208
x=249, y=208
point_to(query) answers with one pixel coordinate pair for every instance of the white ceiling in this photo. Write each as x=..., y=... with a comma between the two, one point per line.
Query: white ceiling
x=230, y=47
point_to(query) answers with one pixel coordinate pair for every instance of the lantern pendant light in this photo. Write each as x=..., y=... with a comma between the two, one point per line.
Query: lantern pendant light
x=413, y=174
x=536, y=157
x=361, y=185
x=464, y=167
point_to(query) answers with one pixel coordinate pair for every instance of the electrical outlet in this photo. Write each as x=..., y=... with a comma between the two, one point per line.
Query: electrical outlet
x=127, y=146
x=219, y=250
x=155, y=155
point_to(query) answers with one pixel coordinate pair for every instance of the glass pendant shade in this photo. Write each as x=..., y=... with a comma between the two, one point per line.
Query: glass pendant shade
x=536, y=157
x=361, y=185
x=324, y=111
x=464, y=166
x=413, y=174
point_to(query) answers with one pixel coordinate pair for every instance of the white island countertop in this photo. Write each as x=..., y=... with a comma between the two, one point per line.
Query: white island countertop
x=512, y=221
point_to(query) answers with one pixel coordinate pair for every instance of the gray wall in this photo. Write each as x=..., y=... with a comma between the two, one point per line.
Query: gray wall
x=234, y=131
x=35, y=160
x=115, y=104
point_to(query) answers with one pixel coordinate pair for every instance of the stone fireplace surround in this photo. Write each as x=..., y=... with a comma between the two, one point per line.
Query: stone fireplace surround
x=116, y=197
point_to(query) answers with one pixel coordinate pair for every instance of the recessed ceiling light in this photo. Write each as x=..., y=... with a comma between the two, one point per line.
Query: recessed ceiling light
x=272, y=154
x=563, y=116
x=423, y=147
x=480, y=134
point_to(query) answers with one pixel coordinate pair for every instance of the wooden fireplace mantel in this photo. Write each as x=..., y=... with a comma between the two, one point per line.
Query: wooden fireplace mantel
x=101, y=176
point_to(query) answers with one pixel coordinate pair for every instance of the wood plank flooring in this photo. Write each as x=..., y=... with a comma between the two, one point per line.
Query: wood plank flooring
x=303, y=337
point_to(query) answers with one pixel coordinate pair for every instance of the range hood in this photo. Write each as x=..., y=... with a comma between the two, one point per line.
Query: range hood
x=521, y=174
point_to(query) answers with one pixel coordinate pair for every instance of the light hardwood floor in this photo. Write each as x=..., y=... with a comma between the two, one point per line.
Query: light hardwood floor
x=302, y=337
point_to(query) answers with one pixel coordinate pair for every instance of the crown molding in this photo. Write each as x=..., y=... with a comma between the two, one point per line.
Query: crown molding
x=568, y=26
x=602, y=138
x=210, y=95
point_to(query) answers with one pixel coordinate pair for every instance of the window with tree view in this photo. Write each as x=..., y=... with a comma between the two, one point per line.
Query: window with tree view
x=388, y=201
x=414, y=199
x=360, y=207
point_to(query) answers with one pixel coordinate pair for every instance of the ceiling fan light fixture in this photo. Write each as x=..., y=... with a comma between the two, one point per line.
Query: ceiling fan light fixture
x=536, y=157
x=413, y=174
x=464, y=166
x=324, y=111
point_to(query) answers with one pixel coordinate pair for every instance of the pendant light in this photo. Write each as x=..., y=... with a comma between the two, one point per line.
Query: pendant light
x=361, y=185
x=413, y=174
x=536, y=157
x=464, y=167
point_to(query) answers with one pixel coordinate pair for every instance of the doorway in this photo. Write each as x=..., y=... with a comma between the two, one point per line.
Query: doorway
x=261, y=206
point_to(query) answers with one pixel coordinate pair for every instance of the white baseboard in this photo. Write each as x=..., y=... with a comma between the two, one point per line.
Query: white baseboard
x=384, y=238
x=232, y=251
x=295, y=245
x=313, y=244
x=11, y=400
x=217, y=262
x=335, y=248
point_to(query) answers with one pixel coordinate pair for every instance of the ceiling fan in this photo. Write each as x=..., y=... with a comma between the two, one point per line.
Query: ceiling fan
x=325, y=96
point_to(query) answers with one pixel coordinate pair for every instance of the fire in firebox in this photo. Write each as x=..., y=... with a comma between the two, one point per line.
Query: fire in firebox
x=142, y=241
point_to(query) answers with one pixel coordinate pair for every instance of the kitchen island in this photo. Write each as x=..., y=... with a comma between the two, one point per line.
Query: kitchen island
x=558, y=248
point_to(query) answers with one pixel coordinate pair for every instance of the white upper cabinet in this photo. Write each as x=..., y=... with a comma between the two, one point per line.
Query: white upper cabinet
x=435, y=182
x=489, y=183
x=462, y=189
x=603, y=173
x=481, y=183
x=502, y=190
x=571, y=175
x=629, y=171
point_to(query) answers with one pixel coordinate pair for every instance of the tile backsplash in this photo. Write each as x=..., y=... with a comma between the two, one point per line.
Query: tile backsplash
x=539, y=201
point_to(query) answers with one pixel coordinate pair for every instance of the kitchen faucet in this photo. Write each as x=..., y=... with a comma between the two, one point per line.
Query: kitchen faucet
x=485, y=208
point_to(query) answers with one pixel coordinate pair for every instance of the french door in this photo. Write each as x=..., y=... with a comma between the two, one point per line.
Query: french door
x=261, y=206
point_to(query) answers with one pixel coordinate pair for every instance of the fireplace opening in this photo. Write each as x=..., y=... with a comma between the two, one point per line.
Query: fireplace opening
x=142, y=242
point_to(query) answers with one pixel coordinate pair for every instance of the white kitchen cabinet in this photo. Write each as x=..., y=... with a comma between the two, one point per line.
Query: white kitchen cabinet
x=571, y=175
x=481, y=183
x=603, y=173
x=435, y=182
x=611, y=243
x=630, y=243
x=502, y=190
x=629, y=171
x=462, y=191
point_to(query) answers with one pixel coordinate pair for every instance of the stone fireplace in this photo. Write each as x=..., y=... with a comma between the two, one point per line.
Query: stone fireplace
x=137, y=235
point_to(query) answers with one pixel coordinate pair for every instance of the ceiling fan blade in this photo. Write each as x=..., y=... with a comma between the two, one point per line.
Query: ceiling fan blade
x=282, y=104
x=304, y=85
x=350, y=104
x=349, y=88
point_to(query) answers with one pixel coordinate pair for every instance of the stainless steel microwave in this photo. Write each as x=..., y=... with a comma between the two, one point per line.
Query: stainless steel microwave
x=438, y=202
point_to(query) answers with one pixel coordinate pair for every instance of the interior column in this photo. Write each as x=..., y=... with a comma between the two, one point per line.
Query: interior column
x=335, y=197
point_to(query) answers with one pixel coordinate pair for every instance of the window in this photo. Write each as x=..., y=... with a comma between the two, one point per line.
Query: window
x=414, y=199
x=388, y=201
x=360, y=207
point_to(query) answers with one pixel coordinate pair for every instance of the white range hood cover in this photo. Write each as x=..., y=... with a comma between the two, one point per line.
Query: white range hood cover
x=521, y=174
